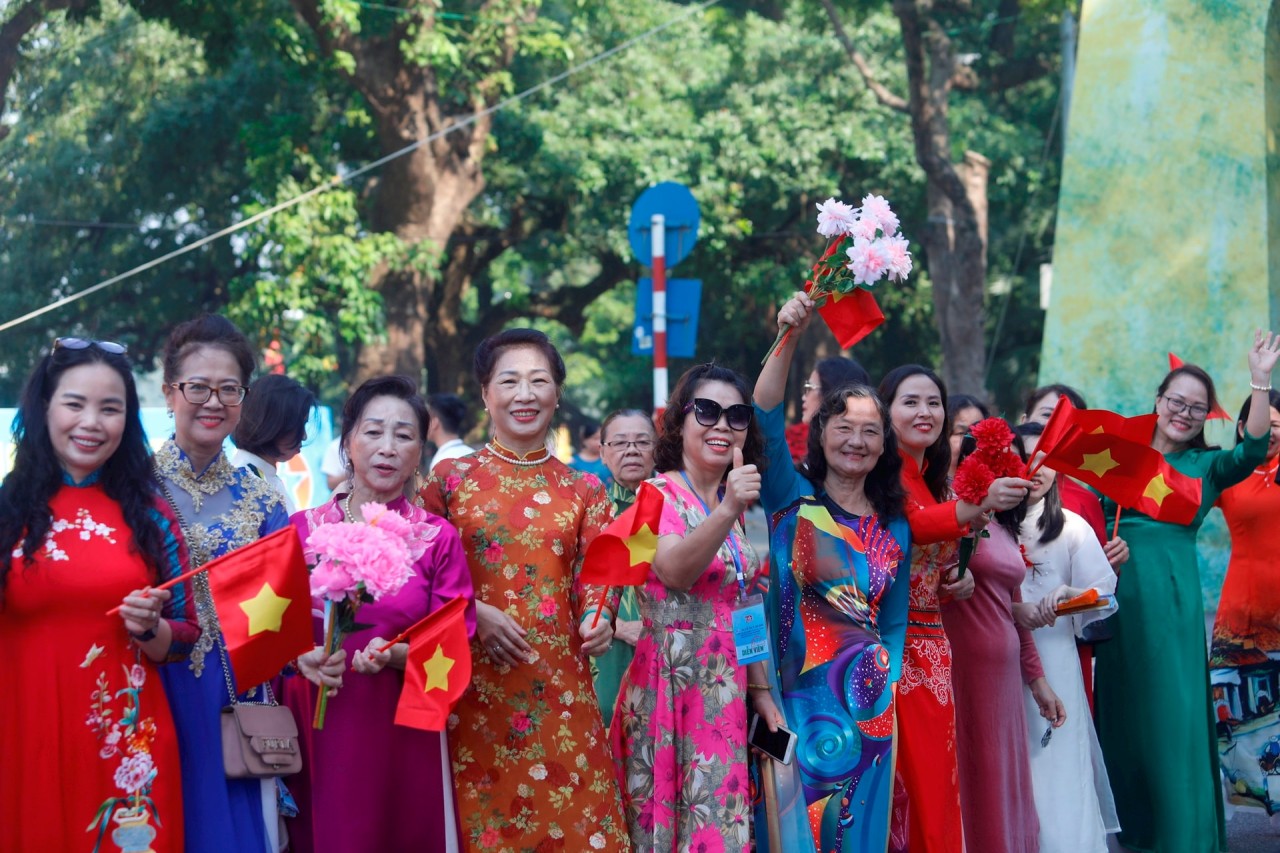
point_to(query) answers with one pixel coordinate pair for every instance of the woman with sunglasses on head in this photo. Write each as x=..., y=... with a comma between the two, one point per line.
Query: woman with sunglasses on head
x=1154, y=709
x=207, y=365
x=926, y=747
x=531, y=763
x=1248, y=619
x=628, y=439
x=680, y=729
x=87, y=738
x=1072, y=793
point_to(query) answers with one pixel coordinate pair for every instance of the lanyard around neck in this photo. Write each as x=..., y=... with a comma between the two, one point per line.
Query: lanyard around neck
x=734, y=548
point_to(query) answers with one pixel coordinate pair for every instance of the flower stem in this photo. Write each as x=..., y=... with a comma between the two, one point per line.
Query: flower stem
x=331, y=638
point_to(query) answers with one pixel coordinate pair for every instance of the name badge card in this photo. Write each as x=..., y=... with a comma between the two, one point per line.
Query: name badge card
x=750, y=630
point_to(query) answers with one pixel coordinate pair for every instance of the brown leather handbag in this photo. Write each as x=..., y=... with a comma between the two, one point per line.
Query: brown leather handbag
x=259, y=741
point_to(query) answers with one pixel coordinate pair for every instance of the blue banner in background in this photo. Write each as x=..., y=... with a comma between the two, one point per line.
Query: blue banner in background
x=301, y=475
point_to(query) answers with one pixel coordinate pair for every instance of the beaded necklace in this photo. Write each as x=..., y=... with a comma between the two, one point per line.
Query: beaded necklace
x=526, y=461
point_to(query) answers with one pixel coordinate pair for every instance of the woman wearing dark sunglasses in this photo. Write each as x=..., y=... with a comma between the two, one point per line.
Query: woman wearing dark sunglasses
x=87, y=737
x=680, y=729
x=1154, y=708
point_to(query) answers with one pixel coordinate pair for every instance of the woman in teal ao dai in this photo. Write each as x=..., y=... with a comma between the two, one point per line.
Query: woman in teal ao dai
x=840, y=614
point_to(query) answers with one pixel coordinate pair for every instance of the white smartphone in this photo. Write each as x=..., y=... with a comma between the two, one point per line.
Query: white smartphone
x=779, y=745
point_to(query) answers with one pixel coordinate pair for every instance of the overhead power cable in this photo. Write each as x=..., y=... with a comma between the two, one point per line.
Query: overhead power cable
x=338, y=180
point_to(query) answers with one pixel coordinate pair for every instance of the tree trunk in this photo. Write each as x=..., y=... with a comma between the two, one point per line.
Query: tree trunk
x=955, y=237
x=955, y=243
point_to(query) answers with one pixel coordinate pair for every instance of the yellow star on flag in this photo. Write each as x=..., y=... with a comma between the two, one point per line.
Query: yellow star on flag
x=642, y=545
x=1098, y=431
x=437, y=669
x=265, y=610
x=1099, y=463
x=1157, y=490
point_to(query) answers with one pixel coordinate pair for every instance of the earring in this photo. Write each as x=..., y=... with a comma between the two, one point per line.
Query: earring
x=169, y=412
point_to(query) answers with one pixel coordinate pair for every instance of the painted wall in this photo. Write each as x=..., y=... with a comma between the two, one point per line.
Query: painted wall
x=1168, y=232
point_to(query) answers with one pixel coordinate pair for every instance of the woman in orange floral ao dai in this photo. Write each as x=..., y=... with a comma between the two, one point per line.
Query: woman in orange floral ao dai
x=532, y=768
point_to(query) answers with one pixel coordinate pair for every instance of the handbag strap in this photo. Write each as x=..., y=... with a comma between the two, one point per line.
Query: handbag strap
x=217, y=641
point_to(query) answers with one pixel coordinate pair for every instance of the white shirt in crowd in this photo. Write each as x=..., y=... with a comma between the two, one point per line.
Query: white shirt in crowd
x=451, y=449
x=267, y=471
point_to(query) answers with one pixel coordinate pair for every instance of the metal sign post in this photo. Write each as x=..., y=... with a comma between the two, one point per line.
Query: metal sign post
x=662, y=231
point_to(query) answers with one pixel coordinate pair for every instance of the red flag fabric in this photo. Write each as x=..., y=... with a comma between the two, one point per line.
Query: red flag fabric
x=1217, y=413
x=1065, y=417
x=1132, y=474
x=437, y=669
x=622, y=553
x=264, y=605
x=851, y=316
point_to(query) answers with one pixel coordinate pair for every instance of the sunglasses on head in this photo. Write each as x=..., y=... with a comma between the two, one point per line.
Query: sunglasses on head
x=708, y=412
x=84, y=343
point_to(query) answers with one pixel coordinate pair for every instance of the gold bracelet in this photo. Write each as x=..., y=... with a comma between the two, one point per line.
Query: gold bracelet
x=751, y=686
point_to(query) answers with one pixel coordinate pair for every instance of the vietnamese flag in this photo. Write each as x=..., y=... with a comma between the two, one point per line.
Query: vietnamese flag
x=1217, y=413
x=623, y=552
x=1094, y=422
x=1133, y=475
x=851, y=316
x=437, y=669
x=264, y=605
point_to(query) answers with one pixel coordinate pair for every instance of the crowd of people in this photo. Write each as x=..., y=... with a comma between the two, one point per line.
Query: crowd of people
x=937, y=703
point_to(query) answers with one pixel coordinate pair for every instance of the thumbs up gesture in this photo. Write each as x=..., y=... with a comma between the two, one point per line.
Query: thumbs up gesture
x=742, y=486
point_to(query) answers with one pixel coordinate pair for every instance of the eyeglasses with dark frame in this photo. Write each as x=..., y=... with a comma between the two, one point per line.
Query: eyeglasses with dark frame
x=1177, y=406
x=641, y=444
x=708, y=412
x=84, y=343
x=198, y=393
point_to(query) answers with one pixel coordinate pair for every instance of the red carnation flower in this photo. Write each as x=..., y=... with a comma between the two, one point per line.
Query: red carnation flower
x=992, y=434
x=973, y=479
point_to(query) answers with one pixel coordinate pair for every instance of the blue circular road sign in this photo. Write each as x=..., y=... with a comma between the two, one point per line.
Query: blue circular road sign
x=680, y=209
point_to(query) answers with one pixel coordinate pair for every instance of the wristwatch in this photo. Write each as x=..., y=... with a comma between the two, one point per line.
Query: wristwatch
x=145, y=636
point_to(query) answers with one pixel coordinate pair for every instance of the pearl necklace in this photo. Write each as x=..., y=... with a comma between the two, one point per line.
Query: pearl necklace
x=525, y=462
x=346, y=509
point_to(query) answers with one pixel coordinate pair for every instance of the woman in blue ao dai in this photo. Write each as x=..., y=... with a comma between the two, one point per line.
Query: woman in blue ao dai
x=840, y=612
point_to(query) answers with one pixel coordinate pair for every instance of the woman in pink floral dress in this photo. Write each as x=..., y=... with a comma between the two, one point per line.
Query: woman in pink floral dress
x=680, y=726
x=531, y=764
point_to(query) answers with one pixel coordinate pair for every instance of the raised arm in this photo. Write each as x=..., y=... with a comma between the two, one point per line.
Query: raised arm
x=771, y=385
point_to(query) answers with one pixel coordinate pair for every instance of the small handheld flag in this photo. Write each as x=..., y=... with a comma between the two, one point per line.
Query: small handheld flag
x=437, y=669
x=264, y=605
x=623, y=552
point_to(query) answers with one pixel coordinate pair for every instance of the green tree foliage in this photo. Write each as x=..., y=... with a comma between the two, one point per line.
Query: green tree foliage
x=761, y=116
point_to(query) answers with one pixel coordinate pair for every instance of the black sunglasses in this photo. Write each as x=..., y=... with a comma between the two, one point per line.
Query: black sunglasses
x=707, y=412
x=84, y=343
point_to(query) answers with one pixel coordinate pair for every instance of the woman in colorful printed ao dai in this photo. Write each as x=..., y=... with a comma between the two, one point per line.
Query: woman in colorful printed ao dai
x=839, y=616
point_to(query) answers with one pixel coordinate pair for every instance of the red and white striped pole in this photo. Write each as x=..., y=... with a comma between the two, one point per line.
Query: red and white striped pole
x=658, y=249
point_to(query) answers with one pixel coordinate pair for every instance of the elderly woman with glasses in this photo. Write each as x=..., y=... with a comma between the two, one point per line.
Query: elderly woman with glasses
x=1155, y=714
x=207, y=365
x=628, y=439
x=680, y=729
